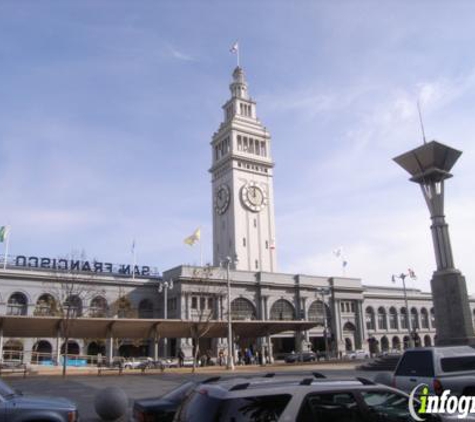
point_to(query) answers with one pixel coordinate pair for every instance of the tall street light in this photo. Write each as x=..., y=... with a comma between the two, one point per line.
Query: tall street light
x=429, y=166
x=164, y=286
x=324, y=291
x=228, y=261
x=402, y=277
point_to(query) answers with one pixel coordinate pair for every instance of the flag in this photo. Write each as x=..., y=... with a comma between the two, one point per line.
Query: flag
x=4, y=231
x=412, y=274
x=344, y=263
x=234, y=48
x=393, y=278
x=133, y=246
x=195, y=237
x=338, y=252
x=272, y=244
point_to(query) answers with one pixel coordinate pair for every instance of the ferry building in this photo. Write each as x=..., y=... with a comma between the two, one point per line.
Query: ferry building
x=110, y=312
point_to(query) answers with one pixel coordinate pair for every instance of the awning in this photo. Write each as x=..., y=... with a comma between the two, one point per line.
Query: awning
x=38, y=326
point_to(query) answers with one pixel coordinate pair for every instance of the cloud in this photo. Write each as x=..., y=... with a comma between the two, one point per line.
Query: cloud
x=175, y=53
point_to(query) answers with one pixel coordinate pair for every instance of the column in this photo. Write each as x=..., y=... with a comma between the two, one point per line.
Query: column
x=361, y=325
x=338, y=333
x=109, y=346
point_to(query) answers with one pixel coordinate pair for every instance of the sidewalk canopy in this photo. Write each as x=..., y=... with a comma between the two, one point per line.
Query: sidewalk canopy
x=37, y=326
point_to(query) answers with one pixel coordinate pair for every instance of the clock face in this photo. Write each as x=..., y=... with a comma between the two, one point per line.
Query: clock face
x=221, y=199
x=253, y=197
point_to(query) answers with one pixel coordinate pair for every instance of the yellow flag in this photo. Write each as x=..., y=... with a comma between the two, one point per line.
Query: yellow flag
x=195, y=237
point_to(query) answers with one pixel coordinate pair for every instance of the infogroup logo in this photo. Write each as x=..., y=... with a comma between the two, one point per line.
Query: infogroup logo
x=421, y=403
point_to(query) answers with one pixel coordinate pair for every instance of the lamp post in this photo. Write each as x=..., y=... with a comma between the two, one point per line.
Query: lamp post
x=323, y=291
x=402, y=277
x=429, y=166
x=164, y=286
x=230, y=361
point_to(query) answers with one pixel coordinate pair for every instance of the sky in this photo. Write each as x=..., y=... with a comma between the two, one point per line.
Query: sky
x=107, y=109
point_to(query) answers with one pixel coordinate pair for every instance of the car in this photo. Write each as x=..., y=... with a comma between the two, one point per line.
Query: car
x=162, y=409
x=309, y=399
x=440, y=367
x=300, y=357
x=18, y=407
x=356, y=355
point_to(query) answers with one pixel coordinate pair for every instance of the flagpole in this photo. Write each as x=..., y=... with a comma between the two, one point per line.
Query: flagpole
x=201, y=250
x=134, y=259
x=7, y=245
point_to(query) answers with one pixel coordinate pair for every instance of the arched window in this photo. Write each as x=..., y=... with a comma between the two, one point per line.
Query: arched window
x=317, y=312
x=73, y=306
x=384, y=344
x=393, y=318
x=41, y=351
x=242, y=309
x=414, y=319
x=282, y=310
x=145, y=309
x=427, y=341
x=424, y=318
x=17, y=304
x=98, y=308
x=46, y=305
x=382, y=323
x=370, y=322
x=403, y=319
x=396, y=342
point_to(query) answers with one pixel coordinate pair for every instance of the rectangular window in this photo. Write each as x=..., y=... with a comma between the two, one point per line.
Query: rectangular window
x=258, y=148
x=255, y=222
x=267, y=244
x=239, y=143
x=245, y=144
x=257, y=264
x=251, y=146
x=194, y=302
x=202, y=303
x=416, y=364
x=459, y=363
x=263, y=149
x=244, y=241
x=210, y=303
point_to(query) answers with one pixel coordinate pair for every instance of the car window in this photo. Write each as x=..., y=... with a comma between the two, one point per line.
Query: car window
x=201, y=407
x=254, y=409
x=330, y=407
x=5, y=390
x=460, y=363
x=416, y=364
x=387, y=406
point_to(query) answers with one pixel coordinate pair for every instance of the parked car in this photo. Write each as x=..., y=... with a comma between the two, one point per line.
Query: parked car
x=356, y=354
x=441, y=368
x=16, y=407
x=300, y=357
x=162, y=409
x=302, y=400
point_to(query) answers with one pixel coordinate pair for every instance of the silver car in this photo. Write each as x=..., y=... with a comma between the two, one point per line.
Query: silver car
x=16, y=407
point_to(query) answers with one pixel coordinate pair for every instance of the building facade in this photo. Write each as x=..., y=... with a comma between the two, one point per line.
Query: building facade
x=347, y=314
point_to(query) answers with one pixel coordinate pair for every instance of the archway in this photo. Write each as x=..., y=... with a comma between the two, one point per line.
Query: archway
x=42, y=351
x=396, y=343
x=427, y=340
x=242, y=310
x=13, y=350
x=384, y=344
x=349, y=331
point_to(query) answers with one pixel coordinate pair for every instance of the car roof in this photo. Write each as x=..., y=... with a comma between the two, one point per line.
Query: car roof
x=238, y=387
x=445, y=351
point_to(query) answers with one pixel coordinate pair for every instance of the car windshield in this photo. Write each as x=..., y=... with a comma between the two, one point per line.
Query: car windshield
x=6, y=391
x=179, y=393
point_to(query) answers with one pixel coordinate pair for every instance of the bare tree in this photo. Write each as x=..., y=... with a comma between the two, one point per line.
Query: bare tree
x=204, y=306
x=69, y=292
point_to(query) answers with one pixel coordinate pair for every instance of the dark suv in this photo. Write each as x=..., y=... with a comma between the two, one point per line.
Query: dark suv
x=301, y=400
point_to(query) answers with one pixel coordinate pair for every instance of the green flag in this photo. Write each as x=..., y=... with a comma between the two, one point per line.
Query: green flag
x=3, y=233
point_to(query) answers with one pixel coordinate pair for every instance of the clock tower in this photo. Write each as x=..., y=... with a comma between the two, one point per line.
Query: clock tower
x=242, y=189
